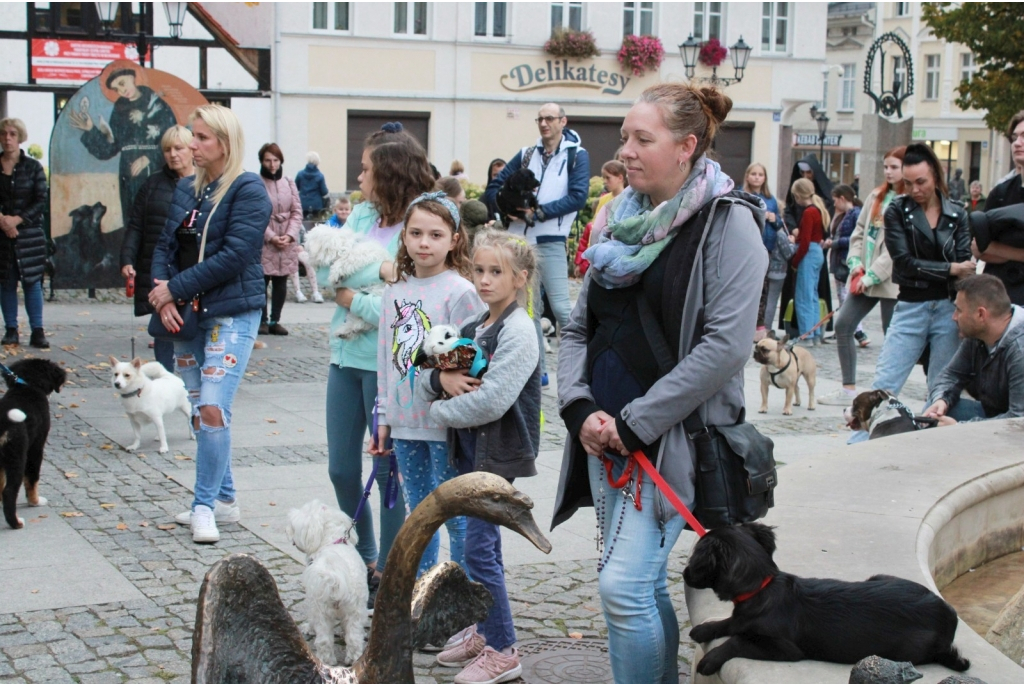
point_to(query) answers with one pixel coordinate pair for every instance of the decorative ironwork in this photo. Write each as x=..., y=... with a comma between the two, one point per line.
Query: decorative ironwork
x=691, y=49
x=890, y=101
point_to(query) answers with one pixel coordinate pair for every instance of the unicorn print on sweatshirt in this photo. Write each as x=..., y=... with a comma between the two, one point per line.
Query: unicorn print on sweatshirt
x=409, y=330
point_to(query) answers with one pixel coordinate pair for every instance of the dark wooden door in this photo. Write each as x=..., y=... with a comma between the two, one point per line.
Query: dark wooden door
x=599, y=136
x=362, y=124
x=732, y=148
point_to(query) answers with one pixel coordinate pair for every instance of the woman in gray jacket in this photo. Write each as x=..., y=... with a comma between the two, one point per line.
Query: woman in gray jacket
x=682, y=250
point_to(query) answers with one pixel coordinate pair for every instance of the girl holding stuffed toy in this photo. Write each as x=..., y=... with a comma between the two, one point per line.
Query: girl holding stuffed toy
x=494, y=426
x=430, y=288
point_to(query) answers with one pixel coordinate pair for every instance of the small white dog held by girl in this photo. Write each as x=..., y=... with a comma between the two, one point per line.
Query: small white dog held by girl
x=430, y=287
x=494, y=426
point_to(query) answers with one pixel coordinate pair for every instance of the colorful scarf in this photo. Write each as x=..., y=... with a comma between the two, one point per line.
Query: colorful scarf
x=637, y=233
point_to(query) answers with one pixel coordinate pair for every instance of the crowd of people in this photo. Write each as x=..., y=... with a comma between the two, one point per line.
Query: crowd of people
x=681, y=267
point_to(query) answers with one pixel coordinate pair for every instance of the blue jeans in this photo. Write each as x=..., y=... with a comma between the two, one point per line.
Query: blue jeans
x=805, y=297
x=212, y=365
x=554, y=277
x=485, y=566
x=424, y=465
x=967, y=409
x=9, y=298
x=643, y=632
x=350, y=395
x=915, y=325
x=163, y=350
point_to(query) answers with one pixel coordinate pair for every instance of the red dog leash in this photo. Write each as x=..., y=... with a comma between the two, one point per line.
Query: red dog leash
x=640, y=458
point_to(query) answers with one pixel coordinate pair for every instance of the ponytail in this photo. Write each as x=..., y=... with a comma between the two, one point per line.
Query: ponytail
x=826, y=219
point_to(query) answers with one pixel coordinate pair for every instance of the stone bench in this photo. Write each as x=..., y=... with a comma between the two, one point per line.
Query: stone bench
x=926, y=506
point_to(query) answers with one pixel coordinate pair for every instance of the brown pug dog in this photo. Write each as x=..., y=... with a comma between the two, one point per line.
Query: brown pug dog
x=782, y=367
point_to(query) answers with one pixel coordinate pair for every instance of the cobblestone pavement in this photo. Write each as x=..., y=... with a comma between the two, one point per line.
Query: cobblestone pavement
x=121, y=504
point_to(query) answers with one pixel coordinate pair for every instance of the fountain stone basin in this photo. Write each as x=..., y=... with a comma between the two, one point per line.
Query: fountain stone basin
x=926, y=506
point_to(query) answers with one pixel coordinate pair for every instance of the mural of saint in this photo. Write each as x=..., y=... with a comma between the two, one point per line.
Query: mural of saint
x=136, y=126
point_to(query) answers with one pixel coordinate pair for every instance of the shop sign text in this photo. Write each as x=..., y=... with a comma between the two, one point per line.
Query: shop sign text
x=561, y=74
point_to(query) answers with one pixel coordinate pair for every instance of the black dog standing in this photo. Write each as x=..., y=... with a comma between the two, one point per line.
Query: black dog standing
x=779, y=617
x=24, y=428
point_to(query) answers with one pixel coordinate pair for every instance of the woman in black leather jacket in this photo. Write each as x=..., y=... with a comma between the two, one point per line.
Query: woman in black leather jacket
x=149, y=214
x=928, y=238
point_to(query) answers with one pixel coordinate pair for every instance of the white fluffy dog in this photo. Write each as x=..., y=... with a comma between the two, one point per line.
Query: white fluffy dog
x=335, y=578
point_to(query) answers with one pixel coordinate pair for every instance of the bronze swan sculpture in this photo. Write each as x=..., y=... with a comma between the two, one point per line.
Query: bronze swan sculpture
x=244, y=633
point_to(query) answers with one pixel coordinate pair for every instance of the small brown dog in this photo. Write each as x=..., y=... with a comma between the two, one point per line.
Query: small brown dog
x=782, y=367
x=880, y=414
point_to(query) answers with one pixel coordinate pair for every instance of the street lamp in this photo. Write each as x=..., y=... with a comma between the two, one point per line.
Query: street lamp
x=690, y=49
x=175, y=12
x=822, y=121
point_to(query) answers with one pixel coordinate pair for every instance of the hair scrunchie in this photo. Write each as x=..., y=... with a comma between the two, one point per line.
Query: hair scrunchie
x=442, y=199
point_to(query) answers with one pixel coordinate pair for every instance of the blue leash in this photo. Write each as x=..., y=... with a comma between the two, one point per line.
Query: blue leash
x=391, y=489
x=10, y=375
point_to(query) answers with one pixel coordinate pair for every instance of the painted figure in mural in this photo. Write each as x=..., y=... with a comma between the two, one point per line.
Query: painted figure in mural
x=136, y=126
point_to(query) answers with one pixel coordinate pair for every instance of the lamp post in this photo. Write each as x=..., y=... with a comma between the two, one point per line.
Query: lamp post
x=690, y=49
x=822, y=121
x=175, y=12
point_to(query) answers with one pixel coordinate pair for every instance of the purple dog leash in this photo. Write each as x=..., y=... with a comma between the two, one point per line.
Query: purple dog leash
x=391, y=489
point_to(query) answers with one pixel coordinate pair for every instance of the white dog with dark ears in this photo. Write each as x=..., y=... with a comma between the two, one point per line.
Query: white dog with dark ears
x=148, y=392
x=335, y=578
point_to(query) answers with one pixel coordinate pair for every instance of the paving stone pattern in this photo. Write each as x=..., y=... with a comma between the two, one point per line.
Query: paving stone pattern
x=120, y=499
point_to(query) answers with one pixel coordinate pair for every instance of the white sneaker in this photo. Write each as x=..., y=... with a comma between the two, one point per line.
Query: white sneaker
x=204, y=528
x=318, y=298
x=222, y=513
x=840, y=398
x=299, y=297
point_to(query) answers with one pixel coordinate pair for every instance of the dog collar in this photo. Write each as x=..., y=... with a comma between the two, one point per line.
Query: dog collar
x=341, y=541
x=747, y=595
x=137, y=393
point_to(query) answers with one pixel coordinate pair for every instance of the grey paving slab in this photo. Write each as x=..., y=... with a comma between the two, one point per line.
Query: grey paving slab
x=48, y=565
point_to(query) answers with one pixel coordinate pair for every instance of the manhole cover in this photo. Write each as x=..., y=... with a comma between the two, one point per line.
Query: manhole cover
x=565, y=661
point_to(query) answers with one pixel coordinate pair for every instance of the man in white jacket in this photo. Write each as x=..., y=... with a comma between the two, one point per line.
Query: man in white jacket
x=563, y=167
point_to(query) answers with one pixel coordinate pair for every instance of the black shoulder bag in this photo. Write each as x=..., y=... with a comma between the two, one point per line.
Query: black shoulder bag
x=736, y=474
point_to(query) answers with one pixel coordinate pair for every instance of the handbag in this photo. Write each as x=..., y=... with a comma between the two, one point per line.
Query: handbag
x=736, y=475
x=188, y=311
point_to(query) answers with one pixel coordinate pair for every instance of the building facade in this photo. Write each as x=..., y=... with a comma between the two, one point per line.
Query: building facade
x=468, y=78
x=48, y=50
x=959, y=137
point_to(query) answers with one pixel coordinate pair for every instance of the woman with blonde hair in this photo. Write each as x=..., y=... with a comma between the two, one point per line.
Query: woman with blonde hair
x=209, y=253
x=677, y=237
x=146, y=224
x=809, y=258
x=23, y=244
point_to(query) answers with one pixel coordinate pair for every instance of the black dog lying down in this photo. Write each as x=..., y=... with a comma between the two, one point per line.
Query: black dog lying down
x=518, y=193
x=780, y=617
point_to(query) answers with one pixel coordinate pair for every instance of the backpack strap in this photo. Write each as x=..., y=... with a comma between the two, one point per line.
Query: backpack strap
x=528, y=155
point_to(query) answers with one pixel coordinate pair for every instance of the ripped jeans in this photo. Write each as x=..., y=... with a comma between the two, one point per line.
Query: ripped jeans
x=212, y=365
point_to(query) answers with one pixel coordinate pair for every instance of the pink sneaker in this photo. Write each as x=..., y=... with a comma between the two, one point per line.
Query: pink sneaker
x=464, y=651
x=492, y=667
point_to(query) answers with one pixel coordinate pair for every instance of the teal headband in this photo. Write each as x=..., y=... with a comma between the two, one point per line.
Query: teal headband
x=441, y=198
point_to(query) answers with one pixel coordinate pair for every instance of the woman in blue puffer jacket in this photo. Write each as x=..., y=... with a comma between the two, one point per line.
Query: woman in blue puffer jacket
x=233, y=208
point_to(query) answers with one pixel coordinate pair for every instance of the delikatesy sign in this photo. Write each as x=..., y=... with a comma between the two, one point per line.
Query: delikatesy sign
x=561, y=74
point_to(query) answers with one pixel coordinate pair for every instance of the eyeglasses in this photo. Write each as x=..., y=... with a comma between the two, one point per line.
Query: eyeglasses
x=547, y=120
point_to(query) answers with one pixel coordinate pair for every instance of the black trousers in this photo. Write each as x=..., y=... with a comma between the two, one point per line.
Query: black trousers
x=279, y=290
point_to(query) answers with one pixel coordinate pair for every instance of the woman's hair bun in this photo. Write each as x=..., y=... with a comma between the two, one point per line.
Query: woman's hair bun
x=392, y=127
x=716, y=103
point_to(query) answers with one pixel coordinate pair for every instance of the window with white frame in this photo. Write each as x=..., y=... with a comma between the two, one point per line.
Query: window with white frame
x=491, y=19
x=638, y=18
x=411, y=18
x=775, y=26
x=847, y=87
x=567, y=15
x=899, y=74
x=902, y=9
x=331, y=16
x=707, y=20
x=931, y=77
x=968, y=67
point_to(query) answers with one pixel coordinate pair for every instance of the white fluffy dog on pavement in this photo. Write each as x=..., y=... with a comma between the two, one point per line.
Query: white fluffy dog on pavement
x=335, y=578
x=149, y=392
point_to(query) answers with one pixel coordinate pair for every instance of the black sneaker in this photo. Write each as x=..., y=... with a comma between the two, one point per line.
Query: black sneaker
x=374, y=582
x=862, y=338
x=10, y=337
x=38, y=339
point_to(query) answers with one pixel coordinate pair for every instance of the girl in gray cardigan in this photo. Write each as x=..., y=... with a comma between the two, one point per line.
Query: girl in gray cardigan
x=494, y=426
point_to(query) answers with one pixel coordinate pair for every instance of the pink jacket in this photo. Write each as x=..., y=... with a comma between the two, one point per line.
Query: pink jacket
x=285, y=219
